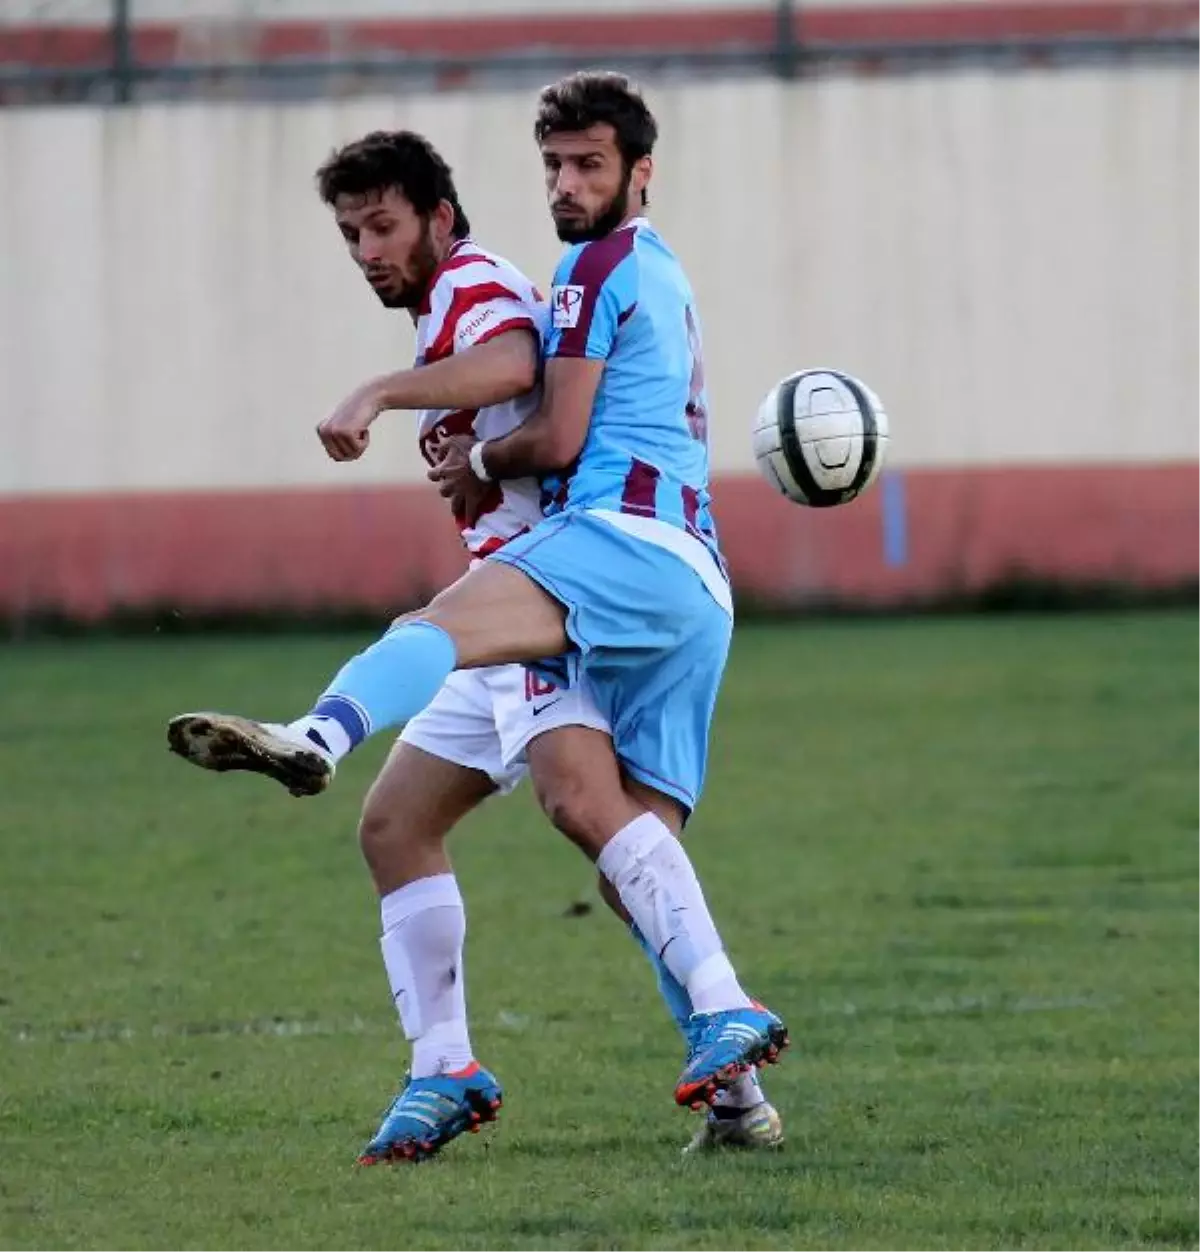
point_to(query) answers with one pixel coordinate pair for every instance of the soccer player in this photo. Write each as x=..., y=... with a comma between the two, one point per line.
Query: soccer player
x=621, y=586
x=471, y=741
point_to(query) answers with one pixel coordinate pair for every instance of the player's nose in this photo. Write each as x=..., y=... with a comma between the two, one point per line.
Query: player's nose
x=370, y=251
x=566, y=185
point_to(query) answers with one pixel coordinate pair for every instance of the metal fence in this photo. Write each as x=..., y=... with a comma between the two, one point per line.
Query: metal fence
x=121, y=67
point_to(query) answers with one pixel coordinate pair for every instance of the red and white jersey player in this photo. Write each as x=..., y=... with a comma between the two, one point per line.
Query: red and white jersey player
x=483, y=719
x=474, y=296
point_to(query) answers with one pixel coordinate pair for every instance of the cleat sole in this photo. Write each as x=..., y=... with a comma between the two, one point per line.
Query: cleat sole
x=223, y=743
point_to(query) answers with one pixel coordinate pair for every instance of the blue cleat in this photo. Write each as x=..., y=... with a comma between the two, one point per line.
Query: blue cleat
x=723, y=1045
x=429, y=1112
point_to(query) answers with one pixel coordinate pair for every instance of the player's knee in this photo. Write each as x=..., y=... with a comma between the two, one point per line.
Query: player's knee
x=571, y=805
x=417, y=615
x=560, y=798
x=378, y=831
x=391, y=837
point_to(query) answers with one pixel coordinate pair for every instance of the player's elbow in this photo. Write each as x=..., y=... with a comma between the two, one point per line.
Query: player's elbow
x=518, y=363
x=558, y=449
x=522, y=373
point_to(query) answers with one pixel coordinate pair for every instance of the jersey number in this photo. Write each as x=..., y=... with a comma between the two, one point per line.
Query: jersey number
x=460, y=422
x=697, y=413
x=536, y=687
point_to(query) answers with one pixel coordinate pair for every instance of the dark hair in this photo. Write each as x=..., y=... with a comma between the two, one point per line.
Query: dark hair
x=399, y=159
x=590, y=97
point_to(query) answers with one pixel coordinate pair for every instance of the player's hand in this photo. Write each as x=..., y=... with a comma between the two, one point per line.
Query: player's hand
x=456, y=479
x=346, y=433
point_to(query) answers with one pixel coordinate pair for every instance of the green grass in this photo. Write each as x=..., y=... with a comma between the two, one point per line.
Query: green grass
x=959, y=856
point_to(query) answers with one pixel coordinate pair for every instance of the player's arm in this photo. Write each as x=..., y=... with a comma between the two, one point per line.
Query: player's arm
x=552, y=438
x=593, y=296
x=493, y=372
x=503, y=366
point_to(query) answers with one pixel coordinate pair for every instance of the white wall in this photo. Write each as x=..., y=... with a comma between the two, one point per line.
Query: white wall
x=1010, y=259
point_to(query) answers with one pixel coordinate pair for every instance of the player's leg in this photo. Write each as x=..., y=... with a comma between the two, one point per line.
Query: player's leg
x=572, y=770
x=444, y=766
x=584, y=792
x=654, y=641
x=413, y=805
x=492, y=615
x=567, y=744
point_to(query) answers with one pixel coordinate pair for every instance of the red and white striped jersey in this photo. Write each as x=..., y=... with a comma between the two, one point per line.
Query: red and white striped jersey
x=474, y=296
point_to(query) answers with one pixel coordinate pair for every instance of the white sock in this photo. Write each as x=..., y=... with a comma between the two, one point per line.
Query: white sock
x=657, y=884
x=424, y=926
x=741, y=1094
x=331, y=739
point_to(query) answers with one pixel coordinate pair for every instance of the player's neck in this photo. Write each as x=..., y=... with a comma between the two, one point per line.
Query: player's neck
x=451, y=248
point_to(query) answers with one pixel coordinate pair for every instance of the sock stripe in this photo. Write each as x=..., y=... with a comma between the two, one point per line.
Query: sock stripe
x=348, y=713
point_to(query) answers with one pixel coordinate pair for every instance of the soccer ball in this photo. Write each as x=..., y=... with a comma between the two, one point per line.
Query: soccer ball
x=820, y=437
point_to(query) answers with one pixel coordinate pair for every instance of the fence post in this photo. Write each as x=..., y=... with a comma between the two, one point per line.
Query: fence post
x=122, y=52
x=787, y=46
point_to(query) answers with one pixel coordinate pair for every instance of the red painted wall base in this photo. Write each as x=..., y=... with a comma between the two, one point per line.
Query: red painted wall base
x=955, y=532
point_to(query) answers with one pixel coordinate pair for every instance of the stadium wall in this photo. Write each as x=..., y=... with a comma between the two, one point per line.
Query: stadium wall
x=1009, y=258
x=77, y=32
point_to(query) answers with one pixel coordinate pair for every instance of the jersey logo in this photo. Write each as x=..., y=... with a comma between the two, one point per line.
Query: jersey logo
x=468, y=329
x=566, y=304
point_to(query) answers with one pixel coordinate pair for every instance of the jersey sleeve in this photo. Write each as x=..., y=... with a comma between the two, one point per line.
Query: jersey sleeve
x=491, y=318
x=595, y=291
x=472, y=312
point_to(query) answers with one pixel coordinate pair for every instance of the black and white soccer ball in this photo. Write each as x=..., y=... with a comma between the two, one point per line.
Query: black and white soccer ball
x=820, y=437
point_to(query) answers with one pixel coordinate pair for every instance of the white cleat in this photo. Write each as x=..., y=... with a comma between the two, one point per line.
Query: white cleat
x=222, y=741
x=758, y=1128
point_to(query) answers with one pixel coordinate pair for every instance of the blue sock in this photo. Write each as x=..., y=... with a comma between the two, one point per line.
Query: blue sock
x=672, y=990
x=392, y=681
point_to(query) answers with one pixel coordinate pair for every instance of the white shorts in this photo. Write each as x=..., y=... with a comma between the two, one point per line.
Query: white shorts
x=484, y=718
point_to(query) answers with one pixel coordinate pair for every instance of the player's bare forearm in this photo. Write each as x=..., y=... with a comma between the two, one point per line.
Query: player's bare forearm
x=552, y=438
x=489, y=373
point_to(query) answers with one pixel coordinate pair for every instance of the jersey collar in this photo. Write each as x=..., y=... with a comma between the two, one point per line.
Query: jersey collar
x=457, y=247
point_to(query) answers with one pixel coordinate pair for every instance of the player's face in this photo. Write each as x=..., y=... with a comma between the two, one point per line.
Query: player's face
x=590, y=188
x=396, y=248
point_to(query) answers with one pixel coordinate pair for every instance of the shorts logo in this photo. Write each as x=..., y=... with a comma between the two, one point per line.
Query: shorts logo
x=566, y=304
x=537, y=688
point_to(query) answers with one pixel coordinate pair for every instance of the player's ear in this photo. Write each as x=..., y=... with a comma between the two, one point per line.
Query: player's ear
x=442, y=223
x=640, y=175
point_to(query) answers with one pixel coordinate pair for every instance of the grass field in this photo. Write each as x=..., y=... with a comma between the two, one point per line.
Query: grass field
x=959, y=856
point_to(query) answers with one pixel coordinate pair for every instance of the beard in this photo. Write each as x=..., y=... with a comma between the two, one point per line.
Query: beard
x=409, y=290
x=583, y=230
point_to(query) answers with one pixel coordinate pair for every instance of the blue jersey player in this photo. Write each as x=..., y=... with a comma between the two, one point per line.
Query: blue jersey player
x=621, y=584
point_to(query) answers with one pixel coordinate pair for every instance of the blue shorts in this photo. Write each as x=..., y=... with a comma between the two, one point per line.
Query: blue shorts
x=651, y=642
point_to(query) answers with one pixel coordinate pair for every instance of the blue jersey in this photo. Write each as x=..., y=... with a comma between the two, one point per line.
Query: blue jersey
x=626, y=301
